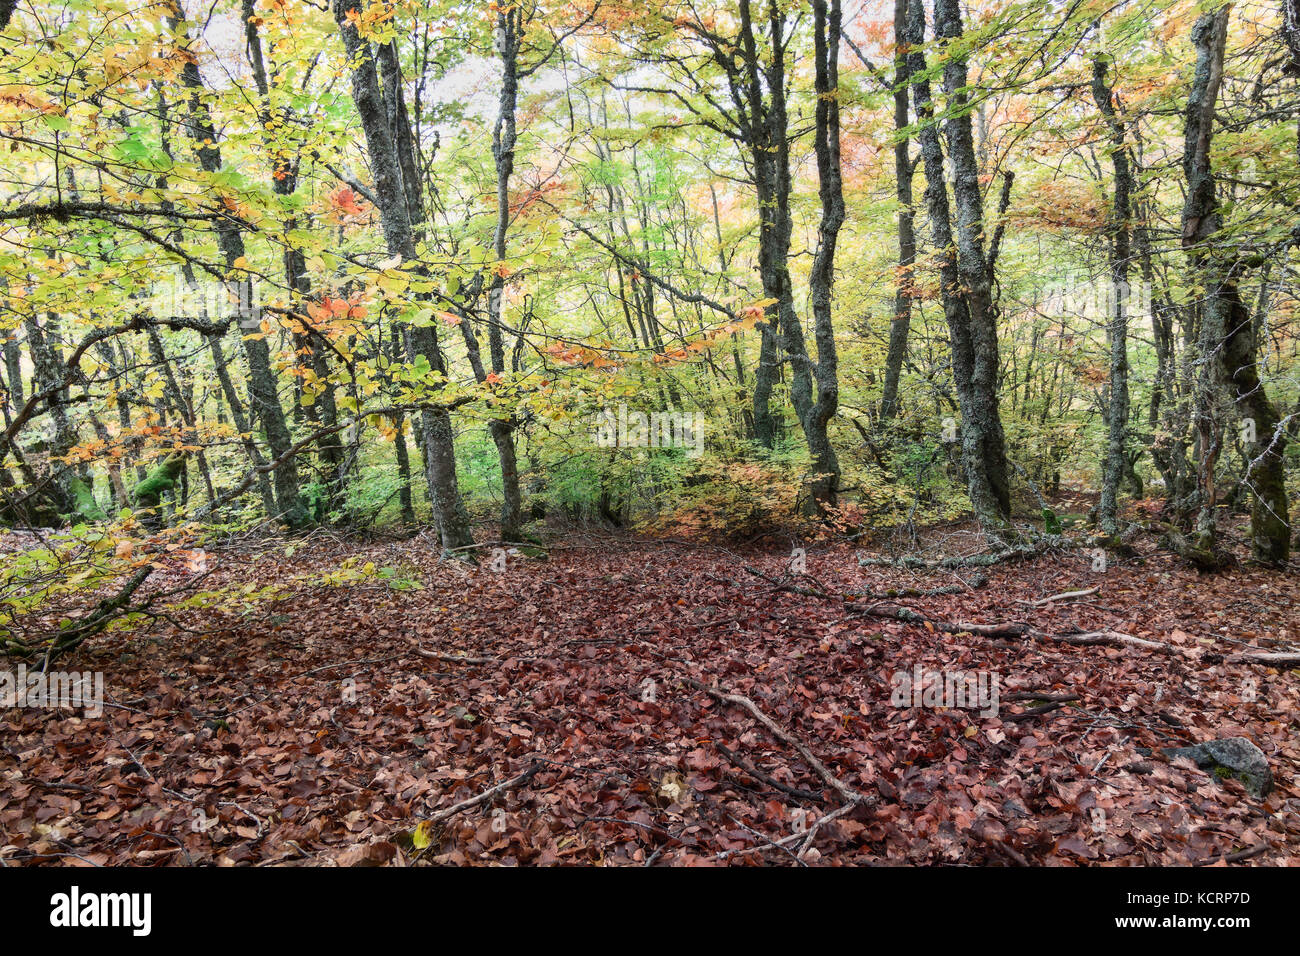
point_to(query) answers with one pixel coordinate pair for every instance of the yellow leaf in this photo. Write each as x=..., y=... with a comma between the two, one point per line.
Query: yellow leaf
x=420, y=835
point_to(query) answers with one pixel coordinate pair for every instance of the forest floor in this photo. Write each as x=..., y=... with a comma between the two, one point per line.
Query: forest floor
x=339, y=719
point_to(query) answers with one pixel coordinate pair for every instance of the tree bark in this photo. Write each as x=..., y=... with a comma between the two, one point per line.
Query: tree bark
x=1226, y=345
x=825, y=464
x=1115, y=463
x=963, y=272
x=394, y=213
x=901, y=324
x=982, y=425
x=510, y=27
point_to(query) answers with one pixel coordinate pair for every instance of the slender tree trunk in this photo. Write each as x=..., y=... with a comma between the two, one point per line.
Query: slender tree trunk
x=393, y=347
x=1200, y=221
x=826, y=43
x=284, y=181
x=1168, y=426
x=903, y=169
x=504, y=137
x=63, y=485
x=242, y=426
x=263, y=393
x=172, y=392
x=14, y=371
x=773, y=217
x=1116, y=462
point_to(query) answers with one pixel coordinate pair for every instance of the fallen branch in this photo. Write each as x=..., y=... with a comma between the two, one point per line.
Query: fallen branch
x=765, y=778
x=481, y=545
x=1237, y=857
x=849, y=794
x=983, y=560
x=1112, y=638
x=900, y=613
x=1116, y=639
x=784, y=842
x=486, y=795
x=1066, y=596
x=817, y=825
x=908, y=615
x=52, y=785
x=1015, y=855
x=1034, y=712
x=772, y=844
x=105, y=612
x=454, y=658
x=1268, y=658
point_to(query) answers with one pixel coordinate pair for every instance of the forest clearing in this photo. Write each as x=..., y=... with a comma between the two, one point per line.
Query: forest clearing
x=575, y=674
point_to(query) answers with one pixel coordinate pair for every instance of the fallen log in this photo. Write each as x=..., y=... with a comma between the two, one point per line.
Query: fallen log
x=1268, y=658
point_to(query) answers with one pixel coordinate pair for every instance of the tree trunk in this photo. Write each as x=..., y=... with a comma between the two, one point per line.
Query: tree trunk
x=284, y=181
x=64, y=485
x=903, y=169
x=263, y=394
x=504, y=136
x=825, y=464
x=982, y=425
x=439, y=454
x=1200, y=221
x=963, y=273
x=1116, y=462
x=242, y=425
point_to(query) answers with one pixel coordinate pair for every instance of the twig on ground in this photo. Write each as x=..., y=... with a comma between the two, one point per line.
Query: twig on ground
x=765, y=778
x=454, y=658
x=1033, y=712
x=849, y=794
x=1019, y=629
x=1246, y=854
x=1066, y=596
x=486, y=795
